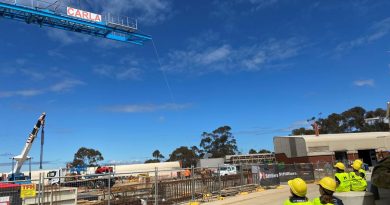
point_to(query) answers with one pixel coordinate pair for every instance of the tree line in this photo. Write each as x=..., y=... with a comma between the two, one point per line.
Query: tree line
x=215, y=144
x=351, y=120
x=221, y=141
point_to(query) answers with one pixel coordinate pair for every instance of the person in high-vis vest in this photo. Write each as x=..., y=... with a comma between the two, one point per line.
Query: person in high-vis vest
x=298, y=189
x=327, y=186
x=342, y=178
x=358, y=177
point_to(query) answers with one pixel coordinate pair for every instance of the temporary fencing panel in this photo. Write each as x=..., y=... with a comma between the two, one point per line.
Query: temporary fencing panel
x=268, y=174
x=291, y=171
x=10, y=194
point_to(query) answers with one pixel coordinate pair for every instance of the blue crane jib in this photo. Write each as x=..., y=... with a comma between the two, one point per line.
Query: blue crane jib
x=72, y=19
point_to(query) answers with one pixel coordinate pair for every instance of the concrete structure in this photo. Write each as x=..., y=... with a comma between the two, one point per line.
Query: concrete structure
x=210, y=163
x=369, y=146
x=166, y=169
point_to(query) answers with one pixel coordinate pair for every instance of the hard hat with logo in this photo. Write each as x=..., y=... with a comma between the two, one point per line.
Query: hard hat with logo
x=357, y=164
x=339, y=165
x=328, y=184
x=298, y=187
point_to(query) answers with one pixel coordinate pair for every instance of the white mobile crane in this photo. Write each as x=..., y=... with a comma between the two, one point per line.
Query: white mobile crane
x=16, y=175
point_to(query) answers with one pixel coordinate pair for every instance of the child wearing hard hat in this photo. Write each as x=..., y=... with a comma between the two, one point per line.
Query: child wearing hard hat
x=358, y=176
x=327, y=186
x=342, y=178
x=298, y=189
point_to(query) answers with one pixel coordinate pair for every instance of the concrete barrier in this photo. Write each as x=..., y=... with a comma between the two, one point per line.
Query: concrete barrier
x=356, y=198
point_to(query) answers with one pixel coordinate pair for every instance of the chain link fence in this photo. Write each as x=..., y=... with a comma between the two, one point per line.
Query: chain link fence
x=158, y=186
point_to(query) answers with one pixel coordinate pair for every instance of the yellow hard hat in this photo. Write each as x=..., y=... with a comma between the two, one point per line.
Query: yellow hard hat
x=328, y=184
x=358, y=160
x=357, y=164
x=339, y=165
x=298, y=187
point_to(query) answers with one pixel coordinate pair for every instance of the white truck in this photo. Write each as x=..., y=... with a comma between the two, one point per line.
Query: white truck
x=226, y=170
x=66, y=178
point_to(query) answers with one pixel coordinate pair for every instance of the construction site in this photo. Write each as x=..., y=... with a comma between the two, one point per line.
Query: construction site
x=257, y=178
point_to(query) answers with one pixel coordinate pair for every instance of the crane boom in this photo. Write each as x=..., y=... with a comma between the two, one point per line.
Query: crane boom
x=20, y=159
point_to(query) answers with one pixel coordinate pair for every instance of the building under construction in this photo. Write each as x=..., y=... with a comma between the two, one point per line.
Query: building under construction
x=369, y=146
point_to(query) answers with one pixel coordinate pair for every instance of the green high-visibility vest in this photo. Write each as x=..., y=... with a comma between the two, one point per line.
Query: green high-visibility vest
x=358, y=183
x=345, y=182
x=317, y=201
x=288, y=202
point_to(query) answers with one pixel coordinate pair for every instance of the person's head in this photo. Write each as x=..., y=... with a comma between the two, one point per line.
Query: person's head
x=298, y=187
x=357, y=164
x=340, y=167
x=327, y=186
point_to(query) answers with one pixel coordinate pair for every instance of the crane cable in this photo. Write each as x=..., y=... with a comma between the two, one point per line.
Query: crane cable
x=164, y=74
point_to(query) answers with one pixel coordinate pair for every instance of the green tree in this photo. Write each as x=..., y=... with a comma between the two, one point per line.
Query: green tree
x=87, y=157
x=252, y=151
x=302, y=131
x=187, y=156
x=219, y=143
x=157, y=155
x=264, y=151
x=152, y=161
x=354, y=119
x=351, y=120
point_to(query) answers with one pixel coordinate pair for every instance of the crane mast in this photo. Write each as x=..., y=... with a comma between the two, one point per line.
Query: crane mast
x=20, y=159
x=388, y=113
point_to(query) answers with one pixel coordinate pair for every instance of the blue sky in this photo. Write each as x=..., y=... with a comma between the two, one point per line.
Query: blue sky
x=259, y=66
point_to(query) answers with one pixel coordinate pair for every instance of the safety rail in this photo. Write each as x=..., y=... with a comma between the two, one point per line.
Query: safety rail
x=59, y=7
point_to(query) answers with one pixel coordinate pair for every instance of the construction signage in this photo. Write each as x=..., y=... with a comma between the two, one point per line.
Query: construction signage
x=267, y=174
x=4, y=200
x=83, y=14
x=27, y=190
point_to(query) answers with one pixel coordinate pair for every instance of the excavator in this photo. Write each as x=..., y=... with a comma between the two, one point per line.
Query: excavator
x=16, y=174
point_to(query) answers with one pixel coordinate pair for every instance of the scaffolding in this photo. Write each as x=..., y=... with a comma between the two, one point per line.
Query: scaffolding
x=55, y=14
x=266, y=158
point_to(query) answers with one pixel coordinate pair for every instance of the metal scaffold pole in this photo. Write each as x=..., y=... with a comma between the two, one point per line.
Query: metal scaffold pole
x=156, y=186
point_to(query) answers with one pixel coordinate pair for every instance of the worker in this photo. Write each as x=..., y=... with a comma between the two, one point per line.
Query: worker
x=187, y=173
x=358, y=176
x=327, y=186
x=381, y=174
x=298, y=189
x=342, y=178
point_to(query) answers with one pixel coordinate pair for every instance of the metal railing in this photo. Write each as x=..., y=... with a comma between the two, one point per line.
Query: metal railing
x=59, y=7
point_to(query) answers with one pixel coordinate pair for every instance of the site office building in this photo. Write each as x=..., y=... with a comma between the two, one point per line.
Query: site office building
x=369, y=146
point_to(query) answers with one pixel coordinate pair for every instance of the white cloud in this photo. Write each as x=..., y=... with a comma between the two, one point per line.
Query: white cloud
x=66, y=85
x=134, y=108
x=202, y=58
x=23, y=93
x=283, y=130
x=66, y=37
x=33, y=74
x=377, y=31
x=127, y=69
x=146, y=11
x=363, y=83
x=260, y=4
x=61, y=86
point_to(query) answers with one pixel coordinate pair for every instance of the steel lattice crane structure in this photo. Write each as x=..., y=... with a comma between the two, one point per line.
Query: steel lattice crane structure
x=52, y=14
